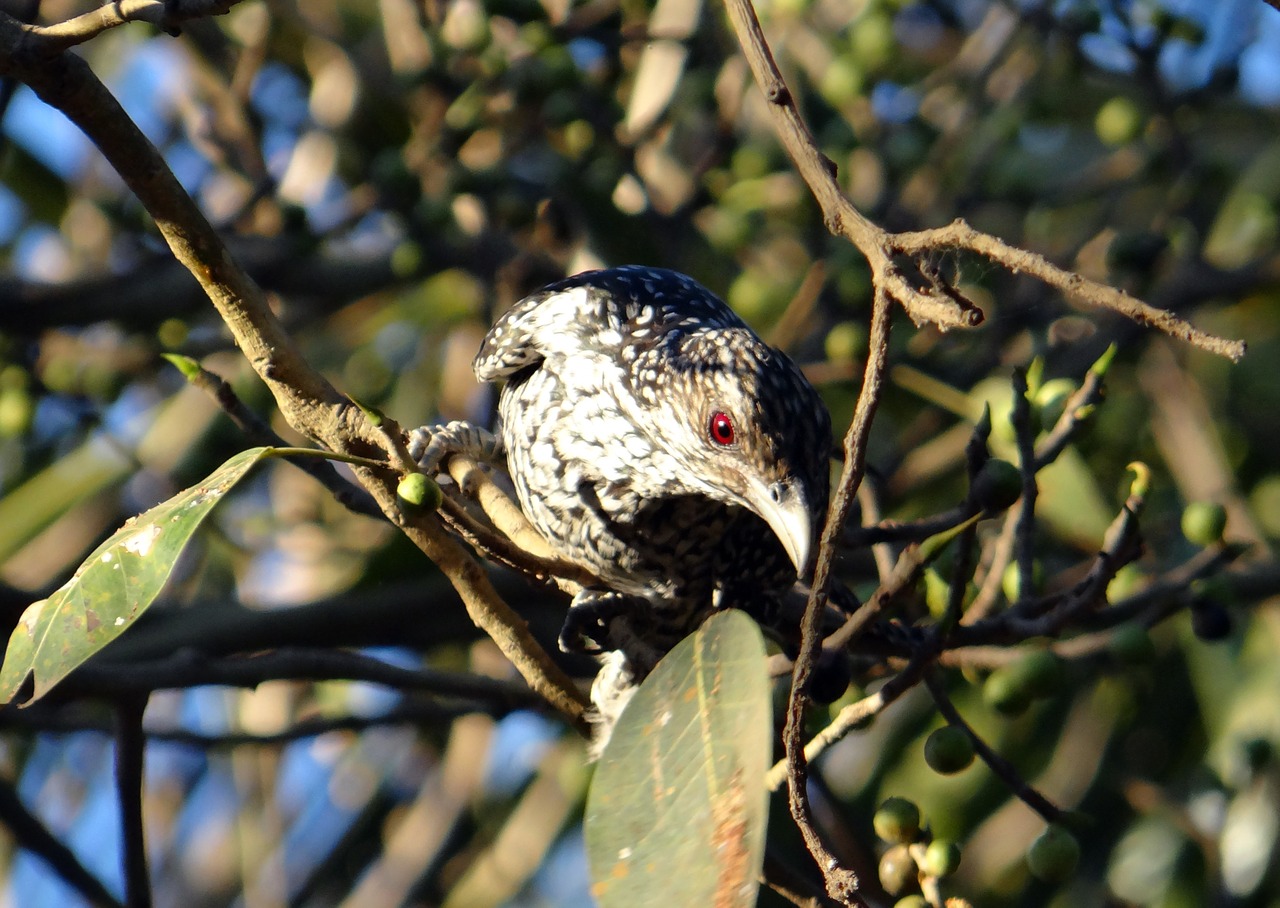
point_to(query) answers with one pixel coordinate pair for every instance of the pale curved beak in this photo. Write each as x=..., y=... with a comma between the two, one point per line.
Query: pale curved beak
x=785, y=508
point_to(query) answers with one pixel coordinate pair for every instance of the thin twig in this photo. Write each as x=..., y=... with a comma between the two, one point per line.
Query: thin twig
x=1166, y=595
x=797, y=317
x=937, y=302
x=998, y=554
x=419, y=713
x=190, y=668
x=880, y=551
x=526, y=549
x=959, y=235
x=1048, y=615
x=784, y=880
x=257, y=430
x=501, y=550
x=909, y=530
x=852, y=716
x=1078, y=408
x=999, y=765
x=842, y=883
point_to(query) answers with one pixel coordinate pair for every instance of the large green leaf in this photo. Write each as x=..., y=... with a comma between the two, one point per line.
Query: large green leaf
x=113, y=586
x=676, y=812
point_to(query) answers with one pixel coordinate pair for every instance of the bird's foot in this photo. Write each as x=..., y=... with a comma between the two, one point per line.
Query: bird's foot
x=431, y=446
x=589, y=625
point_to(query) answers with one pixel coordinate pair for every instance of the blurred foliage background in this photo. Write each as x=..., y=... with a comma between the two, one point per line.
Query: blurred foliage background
x=396, y=172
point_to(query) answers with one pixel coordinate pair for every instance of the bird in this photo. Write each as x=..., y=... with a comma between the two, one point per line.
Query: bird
x=656, y=440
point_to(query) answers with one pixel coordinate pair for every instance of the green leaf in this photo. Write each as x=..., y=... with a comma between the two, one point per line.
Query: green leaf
x=113, y=586
x=676, y=812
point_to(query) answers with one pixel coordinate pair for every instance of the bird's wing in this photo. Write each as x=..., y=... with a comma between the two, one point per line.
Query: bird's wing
x=598, y=312
x=510, y=344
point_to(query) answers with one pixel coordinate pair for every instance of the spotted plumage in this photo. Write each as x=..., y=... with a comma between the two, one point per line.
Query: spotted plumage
x=655, y=439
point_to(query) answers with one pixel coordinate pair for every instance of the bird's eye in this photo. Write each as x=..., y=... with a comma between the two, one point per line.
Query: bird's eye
x=721, y=429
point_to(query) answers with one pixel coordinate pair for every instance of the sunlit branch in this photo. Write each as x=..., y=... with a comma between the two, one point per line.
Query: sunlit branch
x=926, y=296
x=51, y=39
x=305, y=397
x=841, y=883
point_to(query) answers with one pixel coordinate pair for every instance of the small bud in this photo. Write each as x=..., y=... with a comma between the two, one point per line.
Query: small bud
x=1141, y=479
x=1104, y=361
x=189, y=368
x=373, y=414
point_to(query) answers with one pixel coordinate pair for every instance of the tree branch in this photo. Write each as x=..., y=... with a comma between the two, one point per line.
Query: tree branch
x=423, y=714
x=999, y=765
x=842, y=883
x=53, y=39
x=189, y=668
x=306, y=399
x=31, y=834
x=130, y=746
x=937, y=302
x=257, y=431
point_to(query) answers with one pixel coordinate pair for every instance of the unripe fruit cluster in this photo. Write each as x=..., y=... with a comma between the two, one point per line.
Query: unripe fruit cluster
x=907, y=859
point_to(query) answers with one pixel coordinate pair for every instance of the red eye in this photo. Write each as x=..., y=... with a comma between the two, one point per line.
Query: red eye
x=721, y=429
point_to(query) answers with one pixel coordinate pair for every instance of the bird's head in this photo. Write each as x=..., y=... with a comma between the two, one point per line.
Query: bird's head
x=749, y=429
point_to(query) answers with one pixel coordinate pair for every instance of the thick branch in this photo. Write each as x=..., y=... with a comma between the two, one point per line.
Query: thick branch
x=306, y=399
x=818, y=171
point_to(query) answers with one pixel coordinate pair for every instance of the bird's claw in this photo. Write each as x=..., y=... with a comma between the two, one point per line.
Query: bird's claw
x=587, y=626
x=430, y=446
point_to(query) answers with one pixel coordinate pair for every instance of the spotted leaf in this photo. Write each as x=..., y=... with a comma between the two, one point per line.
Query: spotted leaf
x=113, y=586
x=676, y=812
